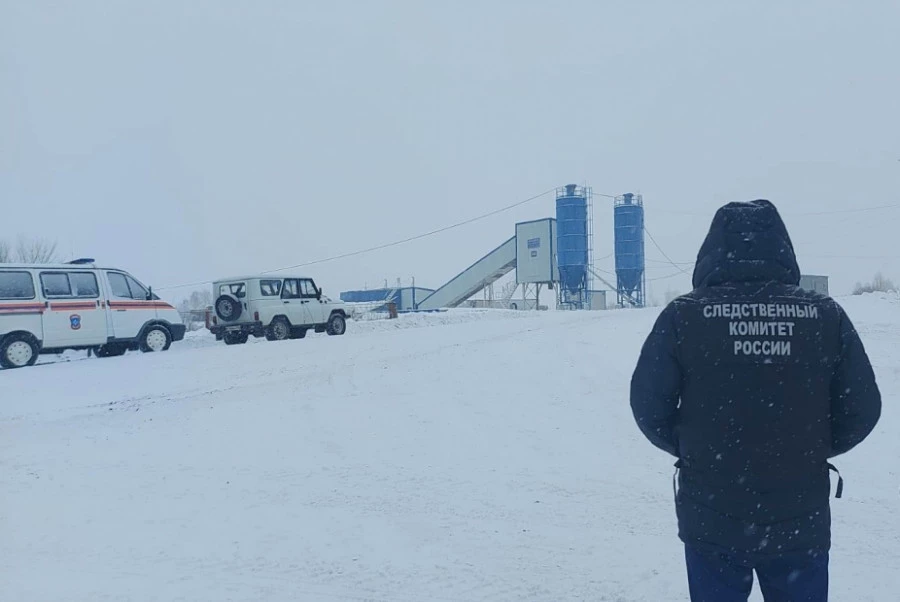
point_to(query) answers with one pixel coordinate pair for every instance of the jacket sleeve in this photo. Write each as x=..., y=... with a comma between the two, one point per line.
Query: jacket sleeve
x=656, y=384
x=855, y=399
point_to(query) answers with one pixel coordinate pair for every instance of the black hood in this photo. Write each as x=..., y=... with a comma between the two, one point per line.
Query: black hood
x=747, y=242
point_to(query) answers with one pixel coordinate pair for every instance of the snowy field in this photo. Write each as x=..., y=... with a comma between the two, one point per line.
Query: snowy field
x=453, y=457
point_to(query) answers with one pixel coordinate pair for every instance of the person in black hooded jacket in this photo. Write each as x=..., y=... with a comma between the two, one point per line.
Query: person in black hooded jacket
x=754, y=384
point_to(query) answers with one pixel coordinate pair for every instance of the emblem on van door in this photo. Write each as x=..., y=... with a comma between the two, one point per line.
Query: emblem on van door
x=75, y=321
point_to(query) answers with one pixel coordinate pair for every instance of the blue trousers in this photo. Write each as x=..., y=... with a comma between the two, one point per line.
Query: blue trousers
x=729, y=578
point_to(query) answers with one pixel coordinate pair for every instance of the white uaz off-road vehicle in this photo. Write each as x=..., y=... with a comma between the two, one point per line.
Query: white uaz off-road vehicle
x=277, y=308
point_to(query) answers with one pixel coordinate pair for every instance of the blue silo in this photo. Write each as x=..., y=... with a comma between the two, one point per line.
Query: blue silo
x=572, y=245
x=628, y=222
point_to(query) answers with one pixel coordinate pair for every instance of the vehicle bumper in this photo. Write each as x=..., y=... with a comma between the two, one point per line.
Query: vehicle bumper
x=177, y=331
x=254, y=328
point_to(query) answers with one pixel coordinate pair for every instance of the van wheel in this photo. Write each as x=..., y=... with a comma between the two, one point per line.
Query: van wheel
x=155, y=339
x=111, y=350
x=228, y=309
x=18, y=351
x=236, y=338
x=337, y=325
x=278, y=330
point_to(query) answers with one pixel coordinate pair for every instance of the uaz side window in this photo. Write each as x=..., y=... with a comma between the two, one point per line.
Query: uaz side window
x=291, y=289
x=16, y=285
x=237, y=289
x=308, y=289
x=270, y=288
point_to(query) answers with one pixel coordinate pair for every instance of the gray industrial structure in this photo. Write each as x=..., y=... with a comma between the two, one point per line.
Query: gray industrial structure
x=553, y=253
x=550, y=252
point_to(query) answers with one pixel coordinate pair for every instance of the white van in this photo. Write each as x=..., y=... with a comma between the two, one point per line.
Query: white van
x=49, y=308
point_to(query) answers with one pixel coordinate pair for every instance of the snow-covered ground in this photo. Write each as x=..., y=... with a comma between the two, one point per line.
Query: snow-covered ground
x=459, y=456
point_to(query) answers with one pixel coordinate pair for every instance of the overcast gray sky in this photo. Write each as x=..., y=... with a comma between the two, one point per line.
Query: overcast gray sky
x=186, y=141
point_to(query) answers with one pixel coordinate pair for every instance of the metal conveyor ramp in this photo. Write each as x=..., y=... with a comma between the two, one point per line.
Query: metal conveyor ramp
x=483, y=272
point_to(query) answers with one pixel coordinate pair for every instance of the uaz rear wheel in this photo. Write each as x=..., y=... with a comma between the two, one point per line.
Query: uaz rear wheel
x=278, y=330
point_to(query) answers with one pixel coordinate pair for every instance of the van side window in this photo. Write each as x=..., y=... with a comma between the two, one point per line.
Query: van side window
x=70, y=285
x=137, y=290
x=126, y=287
x=84, y=285
x=119, y=285
x=55, y=284
x=16, y=285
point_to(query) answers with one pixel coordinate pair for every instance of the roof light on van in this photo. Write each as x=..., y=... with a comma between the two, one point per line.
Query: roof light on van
x=82, y=261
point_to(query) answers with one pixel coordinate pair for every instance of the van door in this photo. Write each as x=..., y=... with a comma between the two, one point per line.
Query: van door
x=75, y=316
x=296, y=308
x=129, y=308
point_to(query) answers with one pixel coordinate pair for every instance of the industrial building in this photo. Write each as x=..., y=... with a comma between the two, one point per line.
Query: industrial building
x=553, y=252
x=403, y=298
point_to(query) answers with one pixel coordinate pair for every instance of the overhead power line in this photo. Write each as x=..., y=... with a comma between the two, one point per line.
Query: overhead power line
x=513, y=206
x=659, y=248
x=417, y=237
x=669, y=262
x=666, y=277
x=385, y=245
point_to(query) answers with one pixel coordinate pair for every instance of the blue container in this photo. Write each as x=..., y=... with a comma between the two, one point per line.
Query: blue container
x=628, y=223
x=371, y=296
x=572, y=240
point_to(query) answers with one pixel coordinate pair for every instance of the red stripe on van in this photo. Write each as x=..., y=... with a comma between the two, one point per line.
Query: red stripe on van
x=21, y=305
x=71, y=306
x=139, y=305
x=19, y=308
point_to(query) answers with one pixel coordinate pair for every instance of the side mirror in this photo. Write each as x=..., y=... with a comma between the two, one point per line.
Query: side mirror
x=150, y=294
x=319, y=294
